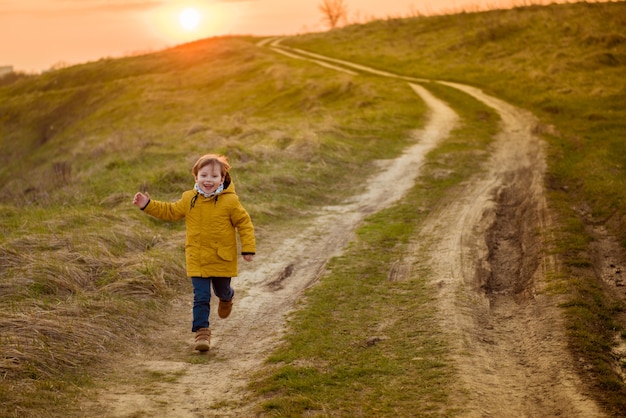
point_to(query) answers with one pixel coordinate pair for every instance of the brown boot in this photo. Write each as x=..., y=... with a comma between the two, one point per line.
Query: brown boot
x=203, y=339
x=224, y=308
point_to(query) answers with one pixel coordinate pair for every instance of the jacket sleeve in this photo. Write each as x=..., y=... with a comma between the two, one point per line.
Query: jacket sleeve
x=241, y=220
x=168, y=211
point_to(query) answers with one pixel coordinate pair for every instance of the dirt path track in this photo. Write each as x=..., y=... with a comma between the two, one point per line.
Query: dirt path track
x=489, y=255
x=266, y=291
x=485, y=245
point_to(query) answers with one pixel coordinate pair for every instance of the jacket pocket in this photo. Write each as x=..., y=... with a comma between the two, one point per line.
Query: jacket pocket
x=225, y=253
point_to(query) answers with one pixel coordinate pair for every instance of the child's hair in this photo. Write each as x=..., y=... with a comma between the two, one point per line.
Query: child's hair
x=209, y=159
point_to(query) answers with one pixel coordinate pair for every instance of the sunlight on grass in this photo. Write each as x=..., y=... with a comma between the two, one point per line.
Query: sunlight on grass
x=74, y=247
x=81, y=269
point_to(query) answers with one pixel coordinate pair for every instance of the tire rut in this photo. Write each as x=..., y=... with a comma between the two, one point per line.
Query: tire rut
x=510, y=343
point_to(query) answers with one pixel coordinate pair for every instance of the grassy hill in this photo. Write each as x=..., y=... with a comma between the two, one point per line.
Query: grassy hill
x=81, y=269
x=565, y=63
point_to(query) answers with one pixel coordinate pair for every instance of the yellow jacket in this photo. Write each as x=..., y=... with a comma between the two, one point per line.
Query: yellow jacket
x=211, y=224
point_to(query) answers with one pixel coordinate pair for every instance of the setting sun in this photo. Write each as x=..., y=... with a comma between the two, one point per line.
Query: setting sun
x=189, y=18
x=176, y=22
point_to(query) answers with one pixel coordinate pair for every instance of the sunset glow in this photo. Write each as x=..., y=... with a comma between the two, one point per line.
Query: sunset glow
x=189, y=18
x=38, y=34
x=175, y=22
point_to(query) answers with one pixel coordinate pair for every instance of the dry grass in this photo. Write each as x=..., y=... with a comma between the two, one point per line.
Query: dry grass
x=81, y=268
x=68, y=299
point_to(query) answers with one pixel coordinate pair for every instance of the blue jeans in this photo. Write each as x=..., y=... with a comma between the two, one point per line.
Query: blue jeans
x=202, y=298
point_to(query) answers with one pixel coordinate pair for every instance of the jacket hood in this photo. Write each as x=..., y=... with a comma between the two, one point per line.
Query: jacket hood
x=229, y=186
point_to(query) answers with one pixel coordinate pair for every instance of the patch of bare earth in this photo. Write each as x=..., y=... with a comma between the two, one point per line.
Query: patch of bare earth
x=166, y=378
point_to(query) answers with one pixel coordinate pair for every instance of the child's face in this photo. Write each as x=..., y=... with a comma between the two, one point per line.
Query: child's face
x=209, y=178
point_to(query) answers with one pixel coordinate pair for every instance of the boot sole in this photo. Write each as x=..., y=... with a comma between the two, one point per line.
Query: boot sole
x=202, y=346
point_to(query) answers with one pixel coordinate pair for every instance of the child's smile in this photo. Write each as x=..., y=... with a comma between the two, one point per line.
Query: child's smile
x=209, y=178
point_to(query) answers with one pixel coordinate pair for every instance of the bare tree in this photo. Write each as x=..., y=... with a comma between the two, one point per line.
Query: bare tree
x=334, y=12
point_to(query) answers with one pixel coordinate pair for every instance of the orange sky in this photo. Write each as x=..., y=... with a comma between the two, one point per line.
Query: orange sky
x=37, y=34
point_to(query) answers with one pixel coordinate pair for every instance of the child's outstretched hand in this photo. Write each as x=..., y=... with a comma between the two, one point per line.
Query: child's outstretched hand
x=248, y=257
x=141, y=199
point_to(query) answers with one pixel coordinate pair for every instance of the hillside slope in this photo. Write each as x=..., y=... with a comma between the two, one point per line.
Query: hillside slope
x=567, y=65
x=81, y=269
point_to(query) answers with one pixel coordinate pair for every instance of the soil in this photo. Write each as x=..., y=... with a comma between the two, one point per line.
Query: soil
x=486, y=245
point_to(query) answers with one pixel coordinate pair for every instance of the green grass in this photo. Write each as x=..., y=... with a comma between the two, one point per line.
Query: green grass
x=147, y=128
x=78, y=142
x=72, y=244
x=563, y=74
x=363, y=344
x=565, y=63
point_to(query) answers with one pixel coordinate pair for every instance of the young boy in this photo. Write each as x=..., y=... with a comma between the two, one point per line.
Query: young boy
x=213, y=215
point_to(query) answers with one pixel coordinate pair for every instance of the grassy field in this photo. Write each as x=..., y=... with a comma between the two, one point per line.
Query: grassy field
x=567, y=65
x=81, y=269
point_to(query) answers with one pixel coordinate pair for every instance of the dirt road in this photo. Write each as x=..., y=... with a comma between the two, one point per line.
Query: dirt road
x=511, y=347
x=485, y=246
